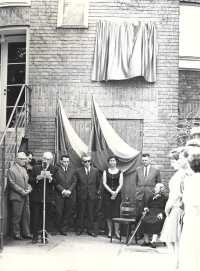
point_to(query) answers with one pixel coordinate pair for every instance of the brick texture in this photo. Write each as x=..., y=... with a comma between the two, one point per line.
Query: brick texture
x=60, y=62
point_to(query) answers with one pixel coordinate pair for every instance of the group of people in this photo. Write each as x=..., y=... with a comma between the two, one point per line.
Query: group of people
x=176, y=219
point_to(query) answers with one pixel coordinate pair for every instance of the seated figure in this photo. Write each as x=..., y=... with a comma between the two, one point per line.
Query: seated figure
x=153, y=221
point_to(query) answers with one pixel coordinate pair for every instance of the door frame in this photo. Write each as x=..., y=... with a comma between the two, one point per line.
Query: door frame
x=11, y=34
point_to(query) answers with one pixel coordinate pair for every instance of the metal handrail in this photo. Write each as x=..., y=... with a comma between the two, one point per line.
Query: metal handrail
x=14, y=109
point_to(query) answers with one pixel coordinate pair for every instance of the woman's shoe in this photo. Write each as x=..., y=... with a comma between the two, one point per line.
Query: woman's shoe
x=153, y=245
x=109, y=236
x=117, y=236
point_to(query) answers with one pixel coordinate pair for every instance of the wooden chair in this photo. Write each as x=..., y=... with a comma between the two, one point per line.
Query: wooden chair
x=129, y=212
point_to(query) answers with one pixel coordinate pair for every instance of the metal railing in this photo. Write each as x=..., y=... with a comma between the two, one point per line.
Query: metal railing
x=9, y=146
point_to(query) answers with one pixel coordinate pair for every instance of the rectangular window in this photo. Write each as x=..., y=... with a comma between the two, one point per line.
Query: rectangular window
x=189, y=41
x=73, y=14
x=15, y=3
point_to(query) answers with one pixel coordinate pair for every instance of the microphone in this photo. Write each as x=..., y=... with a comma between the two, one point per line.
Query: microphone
x=44, y=165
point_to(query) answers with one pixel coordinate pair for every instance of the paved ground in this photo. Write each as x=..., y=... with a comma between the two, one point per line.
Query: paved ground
x=82, y=253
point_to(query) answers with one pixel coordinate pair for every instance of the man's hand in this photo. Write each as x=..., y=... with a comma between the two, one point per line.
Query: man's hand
x=39, y=177
x=160, y=216
x=146, y=210
x=25, y=193
x=66, y=193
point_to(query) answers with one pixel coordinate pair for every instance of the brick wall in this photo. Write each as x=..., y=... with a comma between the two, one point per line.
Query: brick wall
x=42, y=136
x=60, y=62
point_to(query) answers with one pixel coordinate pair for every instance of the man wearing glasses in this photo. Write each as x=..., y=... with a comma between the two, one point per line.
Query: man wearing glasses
x=19, y=196
x=88, y=183
x=39, y=173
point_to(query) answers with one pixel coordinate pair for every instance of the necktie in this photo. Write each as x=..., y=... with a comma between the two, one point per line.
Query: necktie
x=87, y=171
x=145, y=172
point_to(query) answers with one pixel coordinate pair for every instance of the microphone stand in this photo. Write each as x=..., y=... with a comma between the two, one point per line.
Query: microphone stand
x=43, y=231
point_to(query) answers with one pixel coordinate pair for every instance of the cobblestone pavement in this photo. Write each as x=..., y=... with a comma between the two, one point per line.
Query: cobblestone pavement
x=82, y=253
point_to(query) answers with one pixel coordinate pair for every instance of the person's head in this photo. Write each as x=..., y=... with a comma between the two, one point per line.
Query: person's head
x=174, y=156
x=145, y=159
x=183, y=158
x=194, y=159
x=112, y=160
x=193, y=143
x=64, y=160
x=21, y=159
x=159, y=188
x=47, y=157
x=86, y=160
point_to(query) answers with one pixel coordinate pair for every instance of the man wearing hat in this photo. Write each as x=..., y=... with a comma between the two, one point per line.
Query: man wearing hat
x=19, y=196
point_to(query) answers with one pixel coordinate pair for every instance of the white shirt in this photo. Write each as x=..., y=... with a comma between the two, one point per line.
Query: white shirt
x=148, y=168
x=87, y=170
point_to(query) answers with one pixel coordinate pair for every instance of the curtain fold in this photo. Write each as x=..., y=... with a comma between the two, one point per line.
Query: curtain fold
x=67, y=140
x=104, y=141
x=125, y=50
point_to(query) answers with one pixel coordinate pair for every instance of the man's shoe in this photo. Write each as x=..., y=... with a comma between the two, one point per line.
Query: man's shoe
x=54, y=233
x=79, y=233
x=92, y=234
x=27, y=237
x=153, y=245
x=34, y=241
x=145, y=244
x=63, y=233
x=18, y=237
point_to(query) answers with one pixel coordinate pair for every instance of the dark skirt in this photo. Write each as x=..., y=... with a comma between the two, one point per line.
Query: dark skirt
x=151, y=224
x=111, y=208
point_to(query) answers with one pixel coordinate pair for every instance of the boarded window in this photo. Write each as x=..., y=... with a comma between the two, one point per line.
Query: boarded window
x=128, y=129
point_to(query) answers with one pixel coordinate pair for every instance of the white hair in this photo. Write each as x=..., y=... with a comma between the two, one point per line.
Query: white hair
x=48, y=154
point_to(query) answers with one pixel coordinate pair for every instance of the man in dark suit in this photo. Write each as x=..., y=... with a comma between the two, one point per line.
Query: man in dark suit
x=147, y=176
x=64, y=195
x=88, y=183
x=39, y=173
x=19, y=196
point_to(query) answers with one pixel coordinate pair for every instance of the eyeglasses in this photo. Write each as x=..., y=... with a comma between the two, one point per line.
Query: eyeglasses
x=88, y=161
x=46, y=159
x=22, y=159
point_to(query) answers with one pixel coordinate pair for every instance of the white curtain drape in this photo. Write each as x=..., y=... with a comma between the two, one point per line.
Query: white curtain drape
x=125, y=50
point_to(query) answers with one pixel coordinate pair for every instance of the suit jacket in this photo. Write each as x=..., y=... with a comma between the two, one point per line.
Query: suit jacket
x=18, y=182
x=87, y=185
x=38, y=185
x=67, y=180
x=146, y=185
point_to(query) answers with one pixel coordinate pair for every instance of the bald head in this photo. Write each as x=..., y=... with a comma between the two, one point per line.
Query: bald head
x=21, y=158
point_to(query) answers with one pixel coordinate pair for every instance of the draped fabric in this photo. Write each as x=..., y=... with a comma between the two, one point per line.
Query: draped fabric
x=68, y=141
x=104, y=142
x=125, y=50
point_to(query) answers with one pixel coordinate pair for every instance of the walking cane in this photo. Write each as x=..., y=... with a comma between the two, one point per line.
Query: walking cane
x=136, y=228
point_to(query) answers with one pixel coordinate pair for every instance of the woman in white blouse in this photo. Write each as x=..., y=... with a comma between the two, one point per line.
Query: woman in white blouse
x=190, y=237
x=172, y=228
